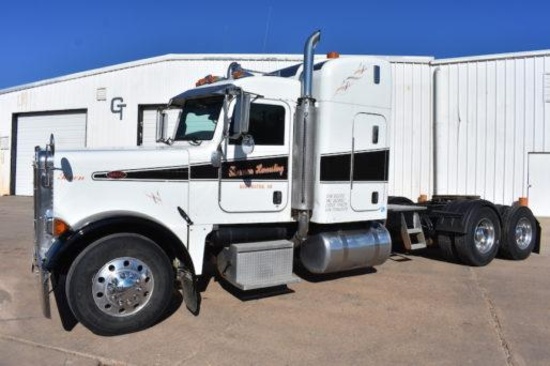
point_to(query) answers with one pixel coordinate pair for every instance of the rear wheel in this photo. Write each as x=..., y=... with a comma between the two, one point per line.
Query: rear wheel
x=447, y=247
x=519, y=234
x=121, y=283
x=479, y=246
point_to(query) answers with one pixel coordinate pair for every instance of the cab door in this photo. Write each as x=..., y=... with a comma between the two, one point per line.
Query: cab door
x=259, y=181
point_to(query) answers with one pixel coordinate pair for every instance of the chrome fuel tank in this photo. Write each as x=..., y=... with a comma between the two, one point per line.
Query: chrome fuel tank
x=345, y=250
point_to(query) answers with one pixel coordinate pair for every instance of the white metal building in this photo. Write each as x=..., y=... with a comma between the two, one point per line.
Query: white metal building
x=462, y=126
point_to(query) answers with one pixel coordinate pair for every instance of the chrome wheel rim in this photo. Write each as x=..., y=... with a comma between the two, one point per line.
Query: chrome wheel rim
x=122, y=287
x=484, y=236
x=524, y=233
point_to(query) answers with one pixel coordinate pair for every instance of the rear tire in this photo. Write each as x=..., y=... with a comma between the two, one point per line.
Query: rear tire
x=447, y=247
x=120, y=284
x=479, y=246
x=519, y=233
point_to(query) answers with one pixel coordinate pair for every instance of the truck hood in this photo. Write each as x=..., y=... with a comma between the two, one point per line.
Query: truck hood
x=80, y=165
x=93, y=184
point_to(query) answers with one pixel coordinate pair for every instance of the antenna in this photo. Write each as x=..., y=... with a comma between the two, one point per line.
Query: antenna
x=267, y=28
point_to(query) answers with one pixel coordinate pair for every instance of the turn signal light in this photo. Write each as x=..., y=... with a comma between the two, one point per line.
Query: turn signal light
x=208, y=79
x=524, y=201
x=60, y=227
x=422, y=198
x=237, y=74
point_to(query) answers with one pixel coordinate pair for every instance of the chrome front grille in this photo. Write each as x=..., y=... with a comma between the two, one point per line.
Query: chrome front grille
x=43, y=202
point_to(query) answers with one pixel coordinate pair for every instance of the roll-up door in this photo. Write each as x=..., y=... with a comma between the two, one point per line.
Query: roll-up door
x=69, y=129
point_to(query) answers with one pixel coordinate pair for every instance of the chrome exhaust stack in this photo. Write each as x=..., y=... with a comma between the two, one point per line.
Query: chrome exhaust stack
x=309, y=48
x=303, y=152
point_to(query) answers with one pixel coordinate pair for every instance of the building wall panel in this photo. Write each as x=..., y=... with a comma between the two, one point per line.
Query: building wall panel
x=491, y=113
x=410, y=130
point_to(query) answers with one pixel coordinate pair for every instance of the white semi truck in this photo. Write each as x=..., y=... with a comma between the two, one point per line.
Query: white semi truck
x=260, y=173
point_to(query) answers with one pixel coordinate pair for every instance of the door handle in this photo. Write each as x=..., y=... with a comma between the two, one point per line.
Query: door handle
x=277, y=197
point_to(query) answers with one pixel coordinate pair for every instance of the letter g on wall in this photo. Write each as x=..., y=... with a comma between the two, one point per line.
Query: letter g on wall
x=117, y=106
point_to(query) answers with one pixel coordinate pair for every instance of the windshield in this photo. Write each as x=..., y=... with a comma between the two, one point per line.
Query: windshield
x=198, y=118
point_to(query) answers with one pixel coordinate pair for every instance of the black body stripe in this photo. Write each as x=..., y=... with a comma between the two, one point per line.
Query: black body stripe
x=272, y=168
x=371, y=166
x=368, y=166
x=206, y=171
x=159, y=174
x=336, y=168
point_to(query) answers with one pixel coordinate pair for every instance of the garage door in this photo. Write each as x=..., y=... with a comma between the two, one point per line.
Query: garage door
x=149, y=125
x=69, y=130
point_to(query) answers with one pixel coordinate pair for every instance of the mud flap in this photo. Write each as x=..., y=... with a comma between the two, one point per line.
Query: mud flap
x=536, y=248
x=66, y=315
x=191, y=295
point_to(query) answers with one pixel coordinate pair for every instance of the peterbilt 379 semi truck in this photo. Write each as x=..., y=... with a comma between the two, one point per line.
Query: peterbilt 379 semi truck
x=262, y=172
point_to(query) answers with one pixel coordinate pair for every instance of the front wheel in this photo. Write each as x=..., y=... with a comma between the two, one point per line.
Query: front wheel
x=120, y=284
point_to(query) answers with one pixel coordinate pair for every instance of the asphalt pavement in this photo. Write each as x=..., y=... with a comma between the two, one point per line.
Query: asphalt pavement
x=414, y=309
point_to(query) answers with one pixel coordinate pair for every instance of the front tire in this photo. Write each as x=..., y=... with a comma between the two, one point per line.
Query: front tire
x=479, y=246
x=120, y=284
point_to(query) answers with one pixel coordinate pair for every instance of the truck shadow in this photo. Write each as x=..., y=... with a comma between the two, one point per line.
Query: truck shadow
x=210, y=274
x=254, y=294
x=432, y=253
x=307, y=276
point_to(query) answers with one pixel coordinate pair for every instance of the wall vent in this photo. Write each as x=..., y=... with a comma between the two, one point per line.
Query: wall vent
x=101, y=94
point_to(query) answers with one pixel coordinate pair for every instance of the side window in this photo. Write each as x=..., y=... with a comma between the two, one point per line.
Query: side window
x=267, y=124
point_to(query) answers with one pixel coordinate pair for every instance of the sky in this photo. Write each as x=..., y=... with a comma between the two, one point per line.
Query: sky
x=45, y=39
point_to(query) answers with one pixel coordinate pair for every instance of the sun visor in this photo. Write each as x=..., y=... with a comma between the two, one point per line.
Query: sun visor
x=180, y=99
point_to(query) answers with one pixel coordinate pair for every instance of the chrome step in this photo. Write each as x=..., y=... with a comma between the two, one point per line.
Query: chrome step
x=413, y=237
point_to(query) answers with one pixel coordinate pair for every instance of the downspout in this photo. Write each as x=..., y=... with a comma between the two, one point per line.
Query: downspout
x=435, y=129
x=303, y=152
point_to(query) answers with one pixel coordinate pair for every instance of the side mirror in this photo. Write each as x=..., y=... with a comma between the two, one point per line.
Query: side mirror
x=248, y=144
x=241, y=115
x=162, y=125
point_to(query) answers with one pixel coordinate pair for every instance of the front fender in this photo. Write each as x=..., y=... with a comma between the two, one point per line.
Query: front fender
x=65, y=248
